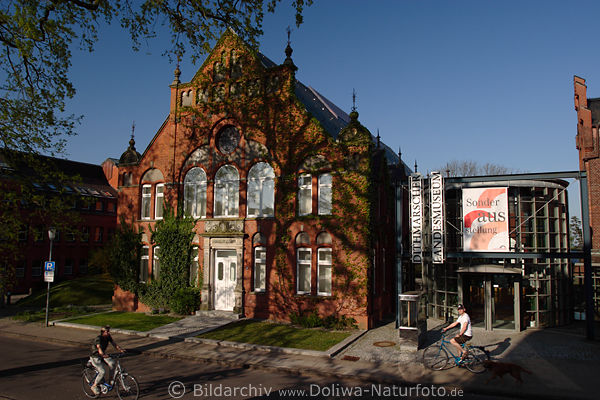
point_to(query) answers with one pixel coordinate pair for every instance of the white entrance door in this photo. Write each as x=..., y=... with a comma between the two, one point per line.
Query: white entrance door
x=225, y=278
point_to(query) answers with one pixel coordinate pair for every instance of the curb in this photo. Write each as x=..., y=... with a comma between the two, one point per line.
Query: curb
x=95, y=328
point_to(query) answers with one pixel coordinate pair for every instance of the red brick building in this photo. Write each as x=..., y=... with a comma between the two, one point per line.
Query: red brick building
x=86, y=223
x=293, y=197
x=588, y=144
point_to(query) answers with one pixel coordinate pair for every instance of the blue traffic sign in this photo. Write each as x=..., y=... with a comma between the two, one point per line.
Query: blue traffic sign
x=49, y=266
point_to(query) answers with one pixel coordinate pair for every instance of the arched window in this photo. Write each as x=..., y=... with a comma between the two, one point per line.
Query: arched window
x=152, y=177
x=323, y=238
x=302, y=239
x=194, y=193
x=261, y=190
x=227, y=185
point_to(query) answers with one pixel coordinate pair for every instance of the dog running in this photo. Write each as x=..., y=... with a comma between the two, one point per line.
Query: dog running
x=499, y=369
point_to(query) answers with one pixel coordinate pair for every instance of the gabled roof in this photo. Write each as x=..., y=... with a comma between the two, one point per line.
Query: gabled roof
x=332, y=118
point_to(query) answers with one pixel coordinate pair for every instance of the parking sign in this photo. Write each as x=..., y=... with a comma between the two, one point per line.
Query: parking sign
x=49, y=267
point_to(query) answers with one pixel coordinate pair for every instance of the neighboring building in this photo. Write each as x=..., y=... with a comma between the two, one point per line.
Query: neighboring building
x=85, y=221
x=293, y=197
x=588, y=143
x=486, y=220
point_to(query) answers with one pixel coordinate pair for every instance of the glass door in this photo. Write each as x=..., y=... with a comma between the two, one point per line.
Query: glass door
x=474, y=298
x=503, y=301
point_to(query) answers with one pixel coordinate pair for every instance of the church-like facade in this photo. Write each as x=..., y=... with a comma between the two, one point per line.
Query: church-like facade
x=293, y=197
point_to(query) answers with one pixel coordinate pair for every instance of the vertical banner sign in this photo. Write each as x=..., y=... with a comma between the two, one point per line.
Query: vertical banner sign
x=416, y=218
x=436, y=190
x=485, y=219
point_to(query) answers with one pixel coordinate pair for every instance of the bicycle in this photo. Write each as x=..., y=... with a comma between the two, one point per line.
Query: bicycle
x=127, y=386
x=436, y=358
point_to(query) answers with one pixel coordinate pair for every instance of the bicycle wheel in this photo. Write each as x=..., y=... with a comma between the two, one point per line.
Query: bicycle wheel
x=127, y=387
x=87, y=380
x=435, y=358
x=475, y=359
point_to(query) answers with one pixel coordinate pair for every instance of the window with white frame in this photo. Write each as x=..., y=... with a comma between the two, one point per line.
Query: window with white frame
x=304, y=194
x=324, y=271
x=261, y=190
x=304, y=258
x=227, y=185
x=144, y=264
x=155, y=263
x=260, y=269
x=159, y=201
x=194, y=192
x=146, y=199
x=325, y=194
x=194, y=267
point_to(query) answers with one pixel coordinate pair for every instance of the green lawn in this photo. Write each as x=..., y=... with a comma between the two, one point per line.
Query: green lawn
x=272, y=334
x=85, y=291
x=127, y=320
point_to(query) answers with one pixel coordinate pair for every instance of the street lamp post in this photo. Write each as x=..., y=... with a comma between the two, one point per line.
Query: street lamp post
x=51, y=236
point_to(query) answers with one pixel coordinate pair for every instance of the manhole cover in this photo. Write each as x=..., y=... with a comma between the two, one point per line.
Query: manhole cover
x=385, y=343
x=350, y=358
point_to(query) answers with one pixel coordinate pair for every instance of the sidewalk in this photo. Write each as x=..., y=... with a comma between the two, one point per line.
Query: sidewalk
x=563, y=364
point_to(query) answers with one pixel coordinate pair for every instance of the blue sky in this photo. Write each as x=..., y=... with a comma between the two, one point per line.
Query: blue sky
x=489, y=81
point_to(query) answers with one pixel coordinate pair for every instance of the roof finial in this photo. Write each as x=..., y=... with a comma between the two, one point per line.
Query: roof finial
x=288, y=51
x=399, y=153
x=132, y=140
x=353, y=99
x=176, y=74
x=415, y=165
x=378, y=138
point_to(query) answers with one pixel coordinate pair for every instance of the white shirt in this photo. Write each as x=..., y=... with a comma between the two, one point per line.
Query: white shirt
x=465, y=319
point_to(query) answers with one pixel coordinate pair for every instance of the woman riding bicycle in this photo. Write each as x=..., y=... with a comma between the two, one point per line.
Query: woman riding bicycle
x=465, y=333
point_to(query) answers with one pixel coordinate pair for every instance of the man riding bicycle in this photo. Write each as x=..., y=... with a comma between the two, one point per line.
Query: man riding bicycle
x=100, y=360
x=465, y=333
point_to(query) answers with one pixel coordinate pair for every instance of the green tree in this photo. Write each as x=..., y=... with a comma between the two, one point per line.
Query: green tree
x=473, y=168
x=123, y=257
x=37, y=38
x=173, y=236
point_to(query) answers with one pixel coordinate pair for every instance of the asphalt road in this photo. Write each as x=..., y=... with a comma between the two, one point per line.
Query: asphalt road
x=34, y=370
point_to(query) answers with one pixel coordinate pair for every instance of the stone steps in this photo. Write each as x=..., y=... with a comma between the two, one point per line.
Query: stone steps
x=218, y=314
